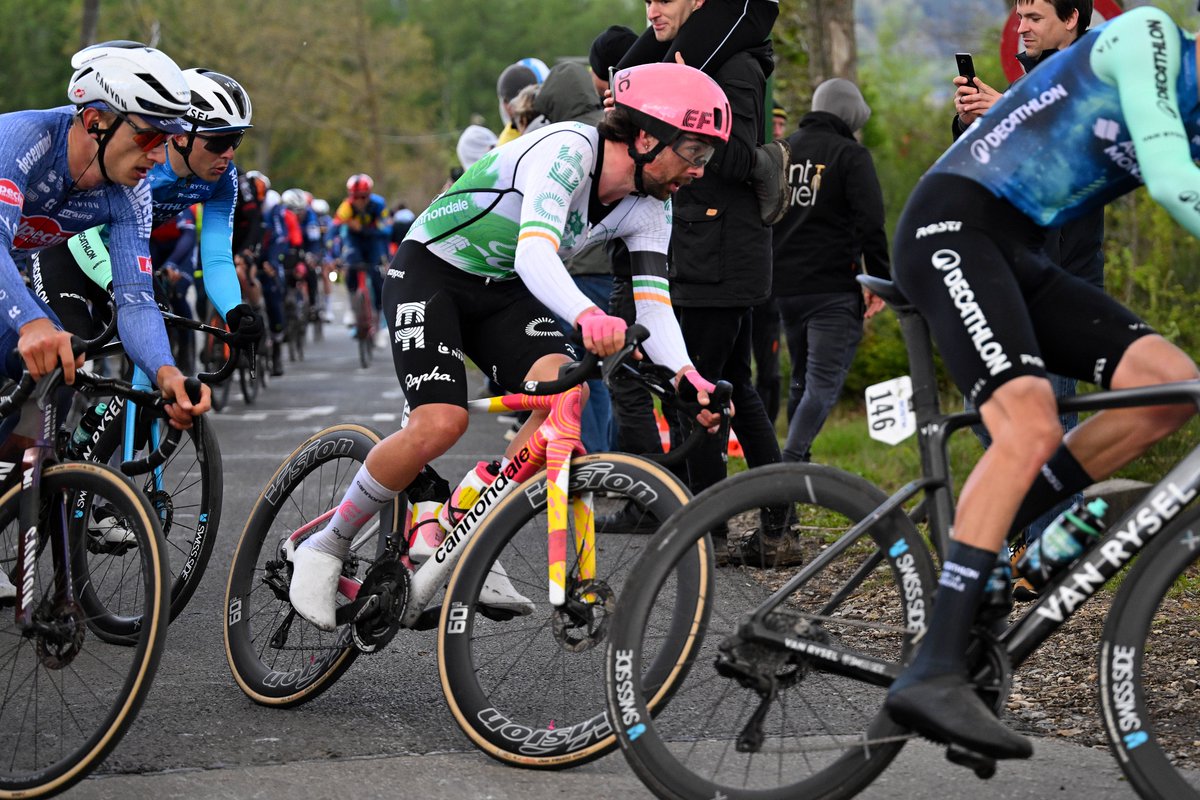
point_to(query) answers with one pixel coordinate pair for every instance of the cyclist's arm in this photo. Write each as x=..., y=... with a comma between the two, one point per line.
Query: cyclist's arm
x=1129, y=54
x=91, y=254
x=139, y=320
x=17, y=306
x=652, y=299
x=216, y=246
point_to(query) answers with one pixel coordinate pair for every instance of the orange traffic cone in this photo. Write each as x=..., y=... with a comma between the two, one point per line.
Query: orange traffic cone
x=664, y=433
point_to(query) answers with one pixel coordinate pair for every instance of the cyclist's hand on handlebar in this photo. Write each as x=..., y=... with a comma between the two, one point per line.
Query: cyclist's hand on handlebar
x=245, y=323
x=181, y=409
x=690, y=382
x=603, y=334
x=43, y=347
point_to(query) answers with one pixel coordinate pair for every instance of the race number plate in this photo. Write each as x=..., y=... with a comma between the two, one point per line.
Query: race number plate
x=889, y=410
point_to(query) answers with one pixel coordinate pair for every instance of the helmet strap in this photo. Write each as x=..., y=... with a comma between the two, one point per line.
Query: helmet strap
x=186, y=150
x=640, y=160
x=106, y=135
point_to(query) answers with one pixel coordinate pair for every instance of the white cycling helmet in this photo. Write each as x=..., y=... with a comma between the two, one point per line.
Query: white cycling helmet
x=131, y=78
x=320, y=206
x=294, y=199
x=219, y=103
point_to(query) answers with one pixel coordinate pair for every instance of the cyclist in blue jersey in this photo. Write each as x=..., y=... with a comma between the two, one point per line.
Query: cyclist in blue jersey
x=1119, y=108
x=69, y=169
x=198, y=169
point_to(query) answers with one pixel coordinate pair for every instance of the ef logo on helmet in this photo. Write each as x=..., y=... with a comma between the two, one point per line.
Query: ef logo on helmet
x=700, y=120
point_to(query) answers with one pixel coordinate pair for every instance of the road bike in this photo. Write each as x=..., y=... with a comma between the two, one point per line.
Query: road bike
x=526, y=689
x=70, y=696
x=362, y=306
x=185, y=490
x=253, y=365
x=784, y=694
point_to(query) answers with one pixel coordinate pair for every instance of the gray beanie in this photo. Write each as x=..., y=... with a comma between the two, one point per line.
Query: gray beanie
x=842, y=98
x=474, y=143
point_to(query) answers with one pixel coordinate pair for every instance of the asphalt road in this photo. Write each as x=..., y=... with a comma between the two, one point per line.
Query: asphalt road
x=383, y=730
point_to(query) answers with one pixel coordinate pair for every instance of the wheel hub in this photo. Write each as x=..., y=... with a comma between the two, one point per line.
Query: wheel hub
x=582, y=621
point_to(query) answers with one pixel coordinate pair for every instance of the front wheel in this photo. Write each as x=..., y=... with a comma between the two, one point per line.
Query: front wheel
x=528, y=690
x=277, y=658
x=1148, y=700
x=757, y=719
x=69, y=696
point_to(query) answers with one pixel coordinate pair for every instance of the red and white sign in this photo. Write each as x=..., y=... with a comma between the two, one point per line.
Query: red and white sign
x=10, y=194
x=145, y=265
x=35, y=233
x=1011, y=44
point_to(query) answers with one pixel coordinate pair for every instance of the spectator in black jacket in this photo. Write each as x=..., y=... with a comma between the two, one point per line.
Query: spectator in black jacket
x=835, y=223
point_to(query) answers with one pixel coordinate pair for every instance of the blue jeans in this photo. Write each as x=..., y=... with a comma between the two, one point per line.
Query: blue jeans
x=823, y=332
x=598, y=433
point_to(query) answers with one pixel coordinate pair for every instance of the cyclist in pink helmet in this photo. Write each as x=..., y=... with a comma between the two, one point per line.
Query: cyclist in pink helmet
x=480, y=276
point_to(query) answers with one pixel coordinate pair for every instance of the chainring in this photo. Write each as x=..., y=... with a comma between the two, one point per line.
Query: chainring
x=386, y=588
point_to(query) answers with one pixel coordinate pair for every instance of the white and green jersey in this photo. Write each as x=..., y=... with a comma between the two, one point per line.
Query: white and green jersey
x=524, y=207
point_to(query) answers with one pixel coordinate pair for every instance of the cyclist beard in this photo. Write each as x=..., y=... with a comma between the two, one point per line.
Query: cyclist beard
x=654, y=188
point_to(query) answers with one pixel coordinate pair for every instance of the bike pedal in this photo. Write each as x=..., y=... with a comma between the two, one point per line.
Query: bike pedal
x=983, y=766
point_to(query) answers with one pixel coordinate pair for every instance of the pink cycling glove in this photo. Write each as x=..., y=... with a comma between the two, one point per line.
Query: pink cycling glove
x=698, y=382
x=598, y=326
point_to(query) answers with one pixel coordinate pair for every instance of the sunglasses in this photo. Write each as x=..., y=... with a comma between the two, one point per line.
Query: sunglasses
x=693, y=151
x=221, y=143
x=145, y=138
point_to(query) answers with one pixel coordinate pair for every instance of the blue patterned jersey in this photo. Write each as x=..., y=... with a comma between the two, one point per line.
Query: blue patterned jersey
x=40, y=207
x=1118, y=108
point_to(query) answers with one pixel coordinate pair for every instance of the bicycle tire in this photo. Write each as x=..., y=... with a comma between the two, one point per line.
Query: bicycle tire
x=59, y=719
x=508, y=719
x=816, y=724
x=364, y=353
x=249, y=386
x=1137, y=684
x=188, y=510
x=257, y=614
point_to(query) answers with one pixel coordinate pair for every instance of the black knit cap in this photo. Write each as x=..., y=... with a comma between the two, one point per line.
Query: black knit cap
x=608, y=49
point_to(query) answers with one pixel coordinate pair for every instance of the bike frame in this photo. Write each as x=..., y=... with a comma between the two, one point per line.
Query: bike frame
x=1066, y=592
x=552, y=446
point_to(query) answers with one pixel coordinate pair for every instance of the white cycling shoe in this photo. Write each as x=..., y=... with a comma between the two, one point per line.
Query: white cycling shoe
x=108, y=528
x=498, y=592
x=7, y=590
x=313, y=591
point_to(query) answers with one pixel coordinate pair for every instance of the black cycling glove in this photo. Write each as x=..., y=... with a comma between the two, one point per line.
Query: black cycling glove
x=244, y=323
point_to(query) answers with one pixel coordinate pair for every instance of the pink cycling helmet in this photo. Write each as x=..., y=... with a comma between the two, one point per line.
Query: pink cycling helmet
x=668, y=100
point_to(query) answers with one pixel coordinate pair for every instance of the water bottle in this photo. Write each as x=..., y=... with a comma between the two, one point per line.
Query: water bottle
x=997, y=600
x=1063, y=541
x=466, y=494
x=425, y=532
x=88, y=424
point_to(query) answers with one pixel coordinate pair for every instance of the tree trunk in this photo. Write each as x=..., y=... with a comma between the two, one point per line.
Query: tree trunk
x=814, y=40
x=91, y=21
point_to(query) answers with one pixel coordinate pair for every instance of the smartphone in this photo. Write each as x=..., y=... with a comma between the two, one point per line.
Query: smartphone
x=966, y=67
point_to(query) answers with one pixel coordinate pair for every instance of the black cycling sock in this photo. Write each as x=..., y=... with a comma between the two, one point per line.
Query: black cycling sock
x=944, y=648
x=1060, y=478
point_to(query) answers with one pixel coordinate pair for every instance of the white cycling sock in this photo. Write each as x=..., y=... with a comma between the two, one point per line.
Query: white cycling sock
x=362, y=501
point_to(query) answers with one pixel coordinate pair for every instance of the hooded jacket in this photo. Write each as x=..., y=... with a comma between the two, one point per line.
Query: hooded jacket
x=720, y=249
x=835, y=216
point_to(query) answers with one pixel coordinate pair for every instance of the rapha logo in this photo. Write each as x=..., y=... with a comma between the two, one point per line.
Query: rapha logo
x=415, y=381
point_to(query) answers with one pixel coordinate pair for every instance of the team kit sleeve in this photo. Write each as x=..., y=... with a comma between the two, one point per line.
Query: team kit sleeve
x=216, y=245
x=17, y=305
x=1139, y=53
x=550, y=176
x=139, y=321
x=647, y=234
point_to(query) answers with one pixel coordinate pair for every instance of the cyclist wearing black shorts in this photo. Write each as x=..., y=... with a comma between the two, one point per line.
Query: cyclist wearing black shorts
x=451, y=291
x=1117, y=109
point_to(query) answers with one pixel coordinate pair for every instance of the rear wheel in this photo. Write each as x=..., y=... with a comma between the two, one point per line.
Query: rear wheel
x=278, y=658
x=814, y=733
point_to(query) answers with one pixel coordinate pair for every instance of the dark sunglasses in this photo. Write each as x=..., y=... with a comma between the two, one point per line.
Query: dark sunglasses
x=145, y=138
x=221, y=143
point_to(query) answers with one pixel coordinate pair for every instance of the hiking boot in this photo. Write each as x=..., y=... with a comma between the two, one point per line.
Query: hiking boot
x=945, y=708
x=629, y=519
x=313, y=591
x=770, y=180
x=498, y=592
x=720, y=540
x=766, y=552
